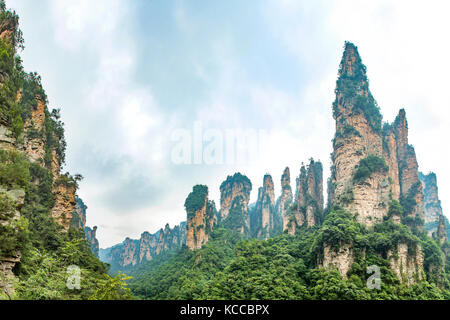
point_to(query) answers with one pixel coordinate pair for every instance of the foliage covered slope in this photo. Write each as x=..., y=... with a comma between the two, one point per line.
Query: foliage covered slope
x=44, y=248
x=284, y=267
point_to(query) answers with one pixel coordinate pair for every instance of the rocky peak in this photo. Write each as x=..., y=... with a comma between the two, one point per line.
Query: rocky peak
x=201, y=217
x=234, y=199
x=411, y=189
x=372, y=165
x=286, y=178
x=234, y=186
x=268, y=187
x=432, y=204
x=131, y=253
x=92, y=240
x=315, y=181
x=401, y=132
x=441, y=232
x=264, y=221
x=285, y=200
x=9, y=27
x=308, y=202
x=79, y=214
x=351, y=65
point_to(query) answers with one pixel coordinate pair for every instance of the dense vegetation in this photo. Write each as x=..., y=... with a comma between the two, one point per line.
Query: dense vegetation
x=196, y=200
x=237, y=178
x=285, y=267
x=369, y=165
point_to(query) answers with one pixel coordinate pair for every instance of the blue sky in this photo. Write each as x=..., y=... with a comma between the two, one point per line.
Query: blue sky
x=127, y=74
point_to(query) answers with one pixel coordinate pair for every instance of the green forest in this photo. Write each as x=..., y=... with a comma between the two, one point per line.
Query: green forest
x=285, y=267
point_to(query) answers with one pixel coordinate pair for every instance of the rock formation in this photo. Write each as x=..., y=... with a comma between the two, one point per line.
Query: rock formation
x=411, y=192
x=92, y=240
x=432, y=204
x=28, y=136
x=131, y=253
x=307, y=208
x=201, y=217
x=64, y=193
x=372, y=165
x=34, y=141
x=285, y=200
x=234, y=198
x=408, y=267
x=265, y=221
x=8, y=261
x=441, y=233
x=79, y=214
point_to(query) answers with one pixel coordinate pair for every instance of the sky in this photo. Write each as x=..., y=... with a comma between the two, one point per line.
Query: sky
x=151, y=92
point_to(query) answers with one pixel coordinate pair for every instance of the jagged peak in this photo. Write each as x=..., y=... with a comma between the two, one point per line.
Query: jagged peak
x=430, y=177
x=236, y=178
x=267, y=179
x=286, y=177
x=400, y=120
x=351, y=63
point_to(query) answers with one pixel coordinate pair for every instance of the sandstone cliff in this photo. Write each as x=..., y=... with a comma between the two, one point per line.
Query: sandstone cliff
x=372, y=165
x=92, y=240
x=234, y=198
x=79, y=214
x=131, y=253
x=201, y=217
x=29, y=134
x=307, y=208
x=432, y=204
x=265, y=220
x=285, y=199
x=441, y=233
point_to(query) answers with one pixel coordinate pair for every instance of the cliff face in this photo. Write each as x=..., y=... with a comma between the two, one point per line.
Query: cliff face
x=357, y=136
x=34, y=144
x=132, y=252
x=79, y=214
x=29, y=134
x=372, y=165
x=234, y=198
x=285, y=200
x=92, y=240
x=411, y=191
x=10, y=216
x=201, y=217
x=441, y=233
x=307, y=208
x=405, y=265
x=65, y=202
x=432, y=204
x=265, y=220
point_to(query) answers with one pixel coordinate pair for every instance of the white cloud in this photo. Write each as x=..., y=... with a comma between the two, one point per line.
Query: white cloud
x=118, y=131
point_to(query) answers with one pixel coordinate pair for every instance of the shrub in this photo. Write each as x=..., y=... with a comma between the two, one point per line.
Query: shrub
x=369, y=165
